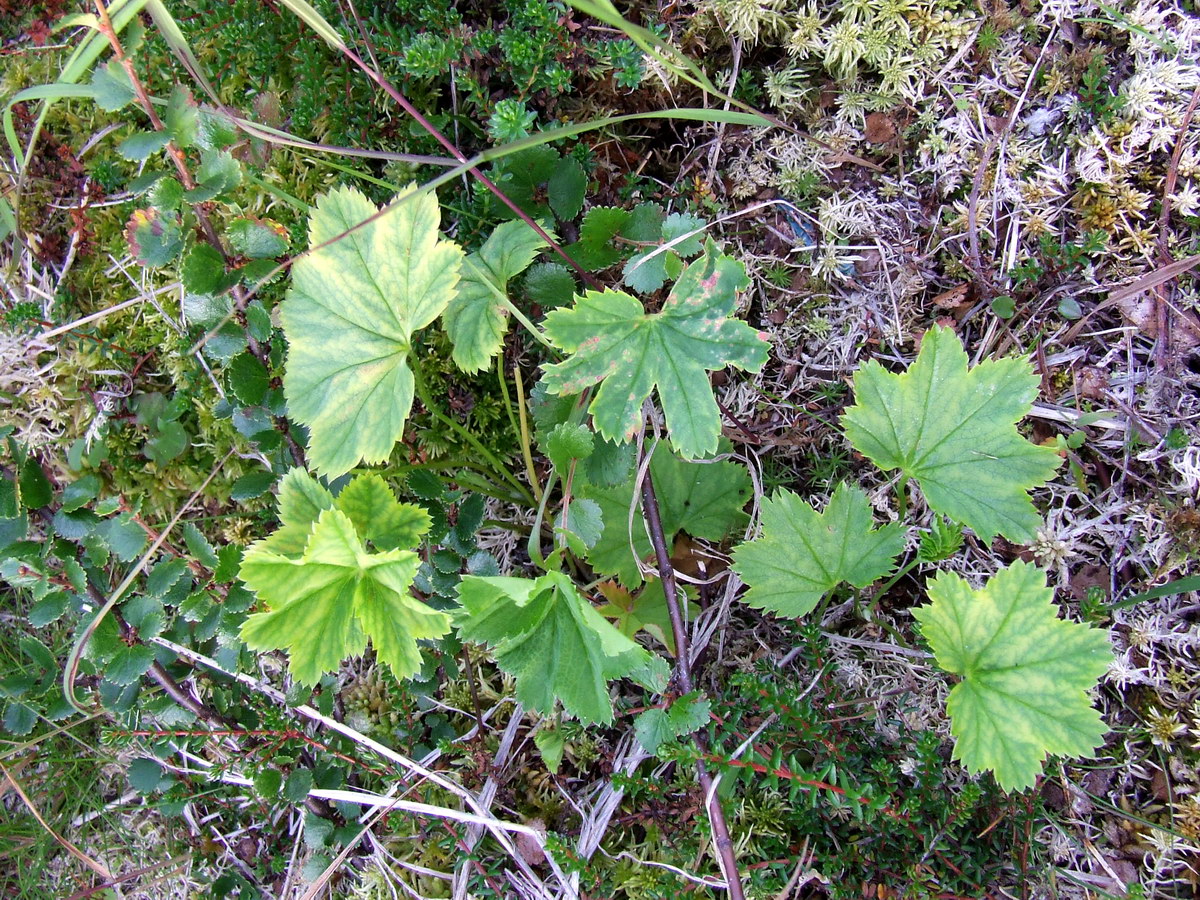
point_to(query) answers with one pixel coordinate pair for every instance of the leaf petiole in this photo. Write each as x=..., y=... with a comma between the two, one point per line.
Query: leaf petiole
x=422, y=392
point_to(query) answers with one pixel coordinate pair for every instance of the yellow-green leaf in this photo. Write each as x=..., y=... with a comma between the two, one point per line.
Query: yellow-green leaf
x=1025, y=672
x=476, y=319
x=324, y=605
x=349, y=318
x=954, y=431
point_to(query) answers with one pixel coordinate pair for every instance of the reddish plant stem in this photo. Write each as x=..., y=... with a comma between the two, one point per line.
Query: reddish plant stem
x=420, y=119
x=683, y=677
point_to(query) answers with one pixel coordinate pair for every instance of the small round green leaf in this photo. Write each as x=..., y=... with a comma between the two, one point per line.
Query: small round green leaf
x=202, y=270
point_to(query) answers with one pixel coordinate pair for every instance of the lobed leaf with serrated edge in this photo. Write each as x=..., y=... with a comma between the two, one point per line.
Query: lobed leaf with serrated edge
x=803, y=554
x=476, y=319
x=1025, y=672
x=550, y=639
x=629, y=353
x=349, y=318
x=954, y=431
x=324, y=605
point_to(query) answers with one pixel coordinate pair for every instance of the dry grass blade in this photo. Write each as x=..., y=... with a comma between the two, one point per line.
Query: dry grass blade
x=98, y=868
x=499, y=829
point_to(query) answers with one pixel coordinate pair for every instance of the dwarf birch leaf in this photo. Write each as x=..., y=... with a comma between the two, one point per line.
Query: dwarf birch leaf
x=476, y=319
x=1025, y=673
x=323, y=606
x=615, y=343
x=803, y=554
x=954, y=431
x=350, y=316
x=594, y=250
x=550, y=639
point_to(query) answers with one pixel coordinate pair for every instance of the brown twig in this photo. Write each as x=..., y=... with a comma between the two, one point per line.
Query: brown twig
x=1162, y=310
x=683, y=677
x=983, y=281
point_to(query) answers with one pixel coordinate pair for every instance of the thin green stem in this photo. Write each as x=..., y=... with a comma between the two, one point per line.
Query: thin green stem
x=498, y=467
x=502, y=298
x=902, y=496
x=519, y=428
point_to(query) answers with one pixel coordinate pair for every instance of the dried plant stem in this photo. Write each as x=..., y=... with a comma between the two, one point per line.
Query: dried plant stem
x=1162, y=310
x=683, y=676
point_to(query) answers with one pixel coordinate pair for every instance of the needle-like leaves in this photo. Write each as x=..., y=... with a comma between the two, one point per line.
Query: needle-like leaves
x=1025, y=672
x=954, y=431
x=615, y=343
x=803, y=554
x=350, y=316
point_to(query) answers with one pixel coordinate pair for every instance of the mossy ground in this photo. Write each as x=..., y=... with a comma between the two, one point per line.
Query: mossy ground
x=1002, y=170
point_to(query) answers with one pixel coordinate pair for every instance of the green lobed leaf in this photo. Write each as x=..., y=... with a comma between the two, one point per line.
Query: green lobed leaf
x=324, y=606
x=1025, y=672
x=705, y=499
x=301, y=501
x=219, y=172
x=476, y=319
x=954, y=432
x=616, y=344
x=379, y=517
x=350, y=316
x=550, y=639
x=181, y=119
x=803, y=554
x=113, y=89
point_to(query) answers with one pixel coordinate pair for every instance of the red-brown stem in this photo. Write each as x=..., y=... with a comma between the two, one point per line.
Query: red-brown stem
x=420, y=119
x=683, y=677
